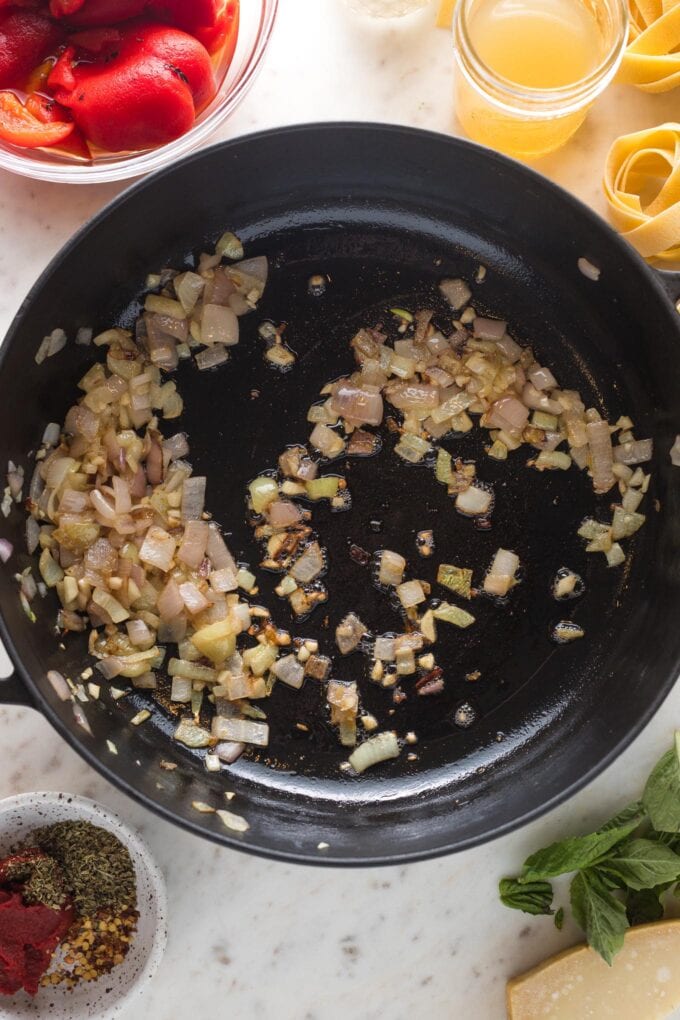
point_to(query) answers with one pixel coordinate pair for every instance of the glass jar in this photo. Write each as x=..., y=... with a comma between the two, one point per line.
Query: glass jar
x=528, y=121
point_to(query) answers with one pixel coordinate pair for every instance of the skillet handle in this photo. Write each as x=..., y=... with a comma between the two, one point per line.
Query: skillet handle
x=13, y=692
x=670, y=281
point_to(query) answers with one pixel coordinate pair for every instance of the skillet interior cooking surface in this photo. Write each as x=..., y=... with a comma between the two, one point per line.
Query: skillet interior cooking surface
x=348, y=209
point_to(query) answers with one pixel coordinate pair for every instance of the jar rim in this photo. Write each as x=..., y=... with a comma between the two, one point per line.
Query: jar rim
x=525, y=99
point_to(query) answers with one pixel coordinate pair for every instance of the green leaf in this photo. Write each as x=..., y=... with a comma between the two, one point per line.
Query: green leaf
x=573, y=854
x=559, y=919
x=644, y=906
x=601, y=915
x=643, y=864
x=532, y=897
x=628, y=814
x=662, y=793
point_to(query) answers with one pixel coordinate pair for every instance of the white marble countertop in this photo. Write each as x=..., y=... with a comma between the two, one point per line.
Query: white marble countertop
x=253, y=939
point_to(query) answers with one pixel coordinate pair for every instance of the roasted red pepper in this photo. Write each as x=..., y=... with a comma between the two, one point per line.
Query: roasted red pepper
x=26, y=38
x=223, y=35
x=21, y=3
x=94, y=40
x=142, y=91
x=97, y=13
x=61, y=76
x=212, y=22
x=48, y=111
x=20, y=127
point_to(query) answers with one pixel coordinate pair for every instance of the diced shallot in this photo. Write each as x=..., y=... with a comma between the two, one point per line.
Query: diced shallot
x=635, y=452
x=192, y=597
x=104, y=509
x=474, y=502
x=326, y=441
x=507, y=413
x=217, y=551
x=359, y=405
x=489, y=329
x=374, y=750
x=456, y=292
x=501, y=575
x=229, y=751
x=139, y=634
x=290, y=671
x=241, y=731
x=158, y=549
x=170, y=603
x=349, y=633
x=392, y=567
x=601, y=455
x=410, y=594
x=539, y=401
x=509, y=348
x=309, y=565
x=194, y=543
x=282, y=513
x=176, y=447
x=59, y=685
x=193, y=498
x=542, y=378
x=219, y=325
x=408, y=396
x=211, y=357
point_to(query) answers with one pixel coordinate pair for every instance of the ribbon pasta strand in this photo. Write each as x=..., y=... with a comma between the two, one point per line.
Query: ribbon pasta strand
x=651, y=61
x=642, y=186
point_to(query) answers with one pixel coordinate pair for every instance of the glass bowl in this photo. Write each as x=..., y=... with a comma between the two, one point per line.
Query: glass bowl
x=256, y=24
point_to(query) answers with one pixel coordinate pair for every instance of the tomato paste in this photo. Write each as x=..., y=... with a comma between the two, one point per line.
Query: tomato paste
x=29, y=936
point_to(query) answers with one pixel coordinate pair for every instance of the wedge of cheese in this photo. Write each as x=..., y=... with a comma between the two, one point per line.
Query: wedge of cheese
x=642, y=984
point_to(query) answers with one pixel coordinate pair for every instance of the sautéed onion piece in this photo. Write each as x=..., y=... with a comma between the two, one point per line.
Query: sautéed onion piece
x=120, y=524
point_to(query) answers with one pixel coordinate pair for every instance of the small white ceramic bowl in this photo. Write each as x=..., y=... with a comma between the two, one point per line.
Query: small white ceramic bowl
x=113, y=993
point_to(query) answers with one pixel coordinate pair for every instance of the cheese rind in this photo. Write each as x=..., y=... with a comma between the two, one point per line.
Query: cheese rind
x=643, y=982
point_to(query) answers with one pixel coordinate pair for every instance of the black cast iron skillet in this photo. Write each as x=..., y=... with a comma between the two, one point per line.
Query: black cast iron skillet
x=386, y=212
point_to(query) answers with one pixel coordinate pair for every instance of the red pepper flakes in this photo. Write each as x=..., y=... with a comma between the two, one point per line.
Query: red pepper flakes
x=93, y=947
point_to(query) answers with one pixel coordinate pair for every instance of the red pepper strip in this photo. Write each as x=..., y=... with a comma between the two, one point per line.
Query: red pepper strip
x=62, y=8
x=94, y=40
x=102, y=13
x=26, y=38
x=61, y=76
x=212, y=22
x=48, y=111
x=223, y=35
x=19, y=127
